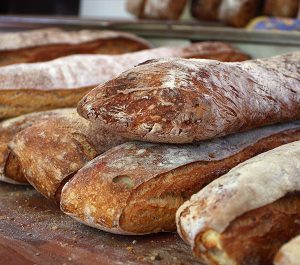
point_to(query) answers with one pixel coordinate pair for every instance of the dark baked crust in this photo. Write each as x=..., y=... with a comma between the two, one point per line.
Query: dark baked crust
x=136, y=188
x=182, y=101
x=205, y=10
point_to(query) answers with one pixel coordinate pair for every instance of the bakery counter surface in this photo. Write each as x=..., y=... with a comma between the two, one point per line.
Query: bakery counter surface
x=34, y=231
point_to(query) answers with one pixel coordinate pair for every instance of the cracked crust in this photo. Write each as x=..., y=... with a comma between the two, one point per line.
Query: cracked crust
x=182, y=101
x=136, y=188
x=52, y=150
x=259, y=198
x=63, y=82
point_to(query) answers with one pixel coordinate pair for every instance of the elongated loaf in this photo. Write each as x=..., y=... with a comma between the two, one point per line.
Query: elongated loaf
x=10, y=170
x=205, y=10
x=136, y=188
x=246, y=215
x=47, y=44
x=63, y=82
x=182, y=101
x=281, y=8
x=51, y=151
x=289, y=253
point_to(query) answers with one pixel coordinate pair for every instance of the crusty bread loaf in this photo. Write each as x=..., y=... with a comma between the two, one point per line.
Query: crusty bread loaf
x=205, y=10
x=47, y=44
x=136, y=188
x=51, y=151
x=63, y=82
x=238, y=12
x=289, y=253
x=281, y=8
x=181, y=101
x=9, y=166
x=156, y=9
x=246, y=215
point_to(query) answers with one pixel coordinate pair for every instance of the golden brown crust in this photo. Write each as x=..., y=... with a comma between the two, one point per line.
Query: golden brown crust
x=52, y=150
x=136, y=188
x=183, y=101
x=281, y=8
x=44, y=45
x=256, y=236
x=9, y=165
x=63, y=82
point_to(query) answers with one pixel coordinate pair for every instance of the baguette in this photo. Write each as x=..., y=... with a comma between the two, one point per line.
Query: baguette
x=205, y=10
x=63, y=82
x=289, y=253
x=136, y=188
x=246, y=215
x=10, y=170
x=51, y=151
x=182, y=101
x=47, y=44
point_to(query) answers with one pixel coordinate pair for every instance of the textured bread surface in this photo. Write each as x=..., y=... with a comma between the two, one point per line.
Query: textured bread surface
x=63, y=82
x=289, y=253
x=136, y=188
x=9, y=165
x=47, y=44
x=53, y=150
x=182, y=101
x=155, y=9
x=213, y=222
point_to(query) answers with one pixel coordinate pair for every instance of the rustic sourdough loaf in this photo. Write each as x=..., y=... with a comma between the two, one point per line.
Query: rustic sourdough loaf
x=246, y=215
x=136, y=188
x=289, y=253
x=9, y=167
x=63, y=82
x=47, y=44
x=182, y=101
x=49, y=152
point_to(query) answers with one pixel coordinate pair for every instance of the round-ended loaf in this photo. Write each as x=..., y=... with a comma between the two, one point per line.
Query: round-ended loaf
x=136, y=188
x=246, y=215
x=182, y=101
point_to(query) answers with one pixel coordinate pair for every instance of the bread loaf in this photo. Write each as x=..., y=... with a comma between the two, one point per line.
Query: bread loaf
x=281, y=8
x=238, y=12
x=47, y=44
x=289, y=253
x=205, y=10
x=182, y=101
x=10, y=170
x=51, y=151
x=156, y=9
x=136, y=188
x=246, y=215
x=63, y=82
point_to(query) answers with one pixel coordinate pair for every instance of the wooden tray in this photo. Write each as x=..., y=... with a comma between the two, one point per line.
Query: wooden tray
x=34, y=231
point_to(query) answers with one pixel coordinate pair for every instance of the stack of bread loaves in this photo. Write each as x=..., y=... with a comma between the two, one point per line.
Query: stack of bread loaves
x=147, y=139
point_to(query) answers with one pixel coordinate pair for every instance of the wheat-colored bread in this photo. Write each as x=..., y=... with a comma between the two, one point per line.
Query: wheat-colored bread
x=47, y=44
x=63, y=82
x=205, y=10
x=289, y=253
x=51, y=151
x=10, y=170
x=242, y=217
x=182, y=101
x=136, y=188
